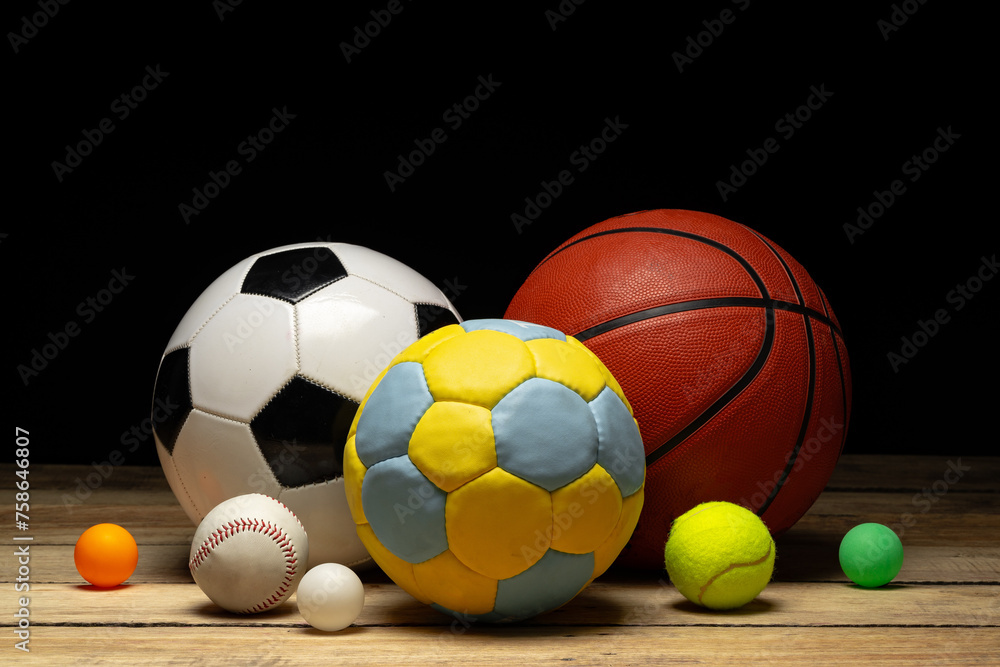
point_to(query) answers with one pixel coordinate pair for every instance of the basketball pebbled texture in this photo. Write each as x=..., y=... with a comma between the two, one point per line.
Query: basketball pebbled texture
x=729, y=353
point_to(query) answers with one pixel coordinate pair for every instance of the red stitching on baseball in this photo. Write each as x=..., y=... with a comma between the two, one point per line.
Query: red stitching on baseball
x=283, y=541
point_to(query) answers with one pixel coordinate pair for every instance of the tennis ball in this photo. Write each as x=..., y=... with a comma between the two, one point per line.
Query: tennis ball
x=871, y=555
x=719, y=555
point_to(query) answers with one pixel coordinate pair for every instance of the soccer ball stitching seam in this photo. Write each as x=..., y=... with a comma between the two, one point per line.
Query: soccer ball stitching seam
x=263, y=405
x=320, y=383
x=228, y=418
x=392, y=291
x=416, y=311
x=210, y=318
x=297, y=334
x=173, y=462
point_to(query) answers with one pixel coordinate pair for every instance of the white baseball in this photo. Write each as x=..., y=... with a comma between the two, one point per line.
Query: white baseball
x=249, y=553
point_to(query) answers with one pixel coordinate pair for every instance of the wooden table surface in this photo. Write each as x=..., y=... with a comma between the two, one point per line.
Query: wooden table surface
x=942, y=609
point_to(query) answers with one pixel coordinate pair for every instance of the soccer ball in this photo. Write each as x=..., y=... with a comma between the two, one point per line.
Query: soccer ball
x=259, y=384
x=494, y=469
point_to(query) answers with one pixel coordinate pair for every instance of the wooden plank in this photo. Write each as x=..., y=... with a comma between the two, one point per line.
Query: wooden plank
x=914, y=530
x=796, y=561
x=105, y=496
x=888, y=472
x=928, y=564
x=152, y=524
x=155, y=517
x=66, y=477
x=102, y=645
x=608, y=604
x=862, y=503
x=943, y=608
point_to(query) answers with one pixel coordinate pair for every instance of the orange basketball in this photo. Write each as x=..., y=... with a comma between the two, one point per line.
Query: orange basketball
x=729, y=353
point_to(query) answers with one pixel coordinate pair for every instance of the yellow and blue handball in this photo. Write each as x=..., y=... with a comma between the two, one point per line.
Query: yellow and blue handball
x=494, y=469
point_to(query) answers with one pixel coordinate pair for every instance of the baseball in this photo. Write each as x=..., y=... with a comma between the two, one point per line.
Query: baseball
x=249, y=553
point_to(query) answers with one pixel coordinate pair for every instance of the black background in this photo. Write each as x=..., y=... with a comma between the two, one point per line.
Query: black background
x=323, y=176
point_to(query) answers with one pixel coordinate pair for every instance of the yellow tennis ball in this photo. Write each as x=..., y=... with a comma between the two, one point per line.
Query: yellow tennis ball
x=719, y=555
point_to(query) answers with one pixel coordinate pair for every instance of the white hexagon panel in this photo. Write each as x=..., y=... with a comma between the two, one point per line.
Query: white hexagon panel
x=264, y=374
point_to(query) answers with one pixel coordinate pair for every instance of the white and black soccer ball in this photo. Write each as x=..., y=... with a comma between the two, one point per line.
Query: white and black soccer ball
x=259, y=383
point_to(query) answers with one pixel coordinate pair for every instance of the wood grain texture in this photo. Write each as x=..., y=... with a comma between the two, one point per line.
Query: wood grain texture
x=943, y=608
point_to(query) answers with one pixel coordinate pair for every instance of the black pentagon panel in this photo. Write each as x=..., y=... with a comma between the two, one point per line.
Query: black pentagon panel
x=431, y=317
x=171, y=397
x=302, y=433
x=292, y=275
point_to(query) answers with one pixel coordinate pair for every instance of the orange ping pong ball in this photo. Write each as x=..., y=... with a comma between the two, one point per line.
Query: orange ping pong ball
x=106, y=555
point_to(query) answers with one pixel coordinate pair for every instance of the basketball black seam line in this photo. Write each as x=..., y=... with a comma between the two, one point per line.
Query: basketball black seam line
x=762, y=354
x=734, y=390
x=840, y=371
x=669, y=232
x=810, y=393
x=701, y=304
x=710, y=242
x=784, y=305
x=769, y=305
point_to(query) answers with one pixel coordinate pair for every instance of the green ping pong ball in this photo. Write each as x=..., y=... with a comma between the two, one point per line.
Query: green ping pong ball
x=871, y=555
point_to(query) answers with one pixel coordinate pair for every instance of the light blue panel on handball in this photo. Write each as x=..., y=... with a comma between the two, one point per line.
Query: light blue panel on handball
x=405, y=510
x=391, y=413
x=545, y=433
x=523, y=330
x=551, y=582
x=621, y=452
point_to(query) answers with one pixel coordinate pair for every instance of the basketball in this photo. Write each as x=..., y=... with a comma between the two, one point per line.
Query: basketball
x=730, y=355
